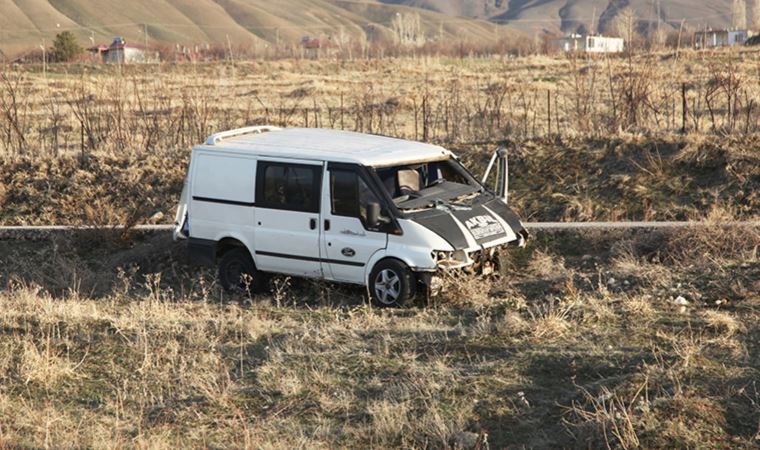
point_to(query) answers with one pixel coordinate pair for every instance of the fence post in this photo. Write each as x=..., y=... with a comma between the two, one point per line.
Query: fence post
x=316, y=117
x=683, y=108
x=424, y=119
x=549, y=110
x=81, y=138
x=341, y=111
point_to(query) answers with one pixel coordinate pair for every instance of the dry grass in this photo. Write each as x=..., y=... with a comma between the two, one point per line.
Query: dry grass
x=149, y=360
x=111, y=340
x=722, y=244
x=113, y=145
x=430, y=98
x=126, y=188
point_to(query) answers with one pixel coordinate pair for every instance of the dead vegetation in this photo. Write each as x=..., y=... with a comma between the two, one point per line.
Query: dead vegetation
x=580, y=350
x=597, y=139
x=611, y=340
x=438, y=99
x=677, y=178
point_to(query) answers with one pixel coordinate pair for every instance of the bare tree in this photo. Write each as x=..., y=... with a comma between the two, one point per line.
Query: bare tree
x=753, y=19
x=625, y=23
x=407, y=29
x=342, y=40
x=739, y=14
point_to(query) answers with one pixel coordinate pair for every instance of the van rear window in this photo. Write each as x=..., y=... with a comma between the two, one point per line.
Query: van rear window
x=294, y=187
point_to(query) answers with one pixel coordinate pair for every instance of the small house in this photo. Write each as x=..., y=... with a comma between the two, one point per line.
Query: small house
x=120, y=52
x=311, y=46
x=310, y=43
x=591, y=44
x=721, y=38
x=97, y=51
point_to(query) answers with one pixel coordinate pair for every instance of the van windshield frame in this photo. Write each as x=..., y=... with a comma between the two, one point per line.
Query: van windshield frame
x=441, y=180
x=368, y=175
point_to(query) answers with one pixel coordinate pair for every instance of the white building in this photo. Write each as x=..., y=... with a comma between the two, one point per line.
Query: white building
x=721, y=38
x=591, y=44
x=119, y=52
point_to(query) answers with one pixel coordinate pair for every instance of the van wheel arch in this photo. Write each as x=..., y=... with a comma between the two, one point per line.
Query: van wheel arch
x=234, y=256
x=404, y=282
x=224, y=245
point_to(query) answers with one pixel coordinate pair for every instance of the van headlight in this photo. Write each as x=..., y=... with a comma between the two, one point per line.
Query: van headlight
x=448, y=259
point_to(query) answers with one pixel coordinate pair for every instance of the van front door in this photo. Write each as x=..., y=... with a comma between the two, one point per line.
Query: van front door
x=287, y=237
x=347, y=243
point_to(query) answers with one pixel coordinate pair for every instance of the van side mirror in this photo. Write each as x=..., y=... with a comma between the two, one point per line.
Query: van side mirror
x=373, y=215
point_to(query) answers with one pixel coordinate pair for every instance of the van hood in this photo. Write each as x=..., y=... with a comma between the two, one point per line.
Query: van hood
x=484, y=222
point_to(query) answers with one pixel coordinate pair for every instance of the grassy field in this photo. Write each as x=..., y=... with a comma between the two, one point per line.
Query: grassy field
x=440, y=99
x=625, y=178
x=590, y=139
x=619, y=339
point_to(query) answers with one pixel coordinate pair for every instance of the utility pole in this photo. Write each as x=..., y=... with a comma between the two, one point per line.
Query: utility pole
x=593, y=21
x=145, y=32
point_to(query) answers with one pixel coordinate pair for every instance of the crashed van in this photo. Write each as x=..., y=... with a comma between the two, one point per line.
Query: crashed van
x=385, y=213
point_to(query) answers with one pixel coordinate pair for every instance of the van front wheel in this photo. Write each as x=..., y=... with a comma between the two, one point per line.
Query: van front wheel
x=237, y=272
x=391, y=283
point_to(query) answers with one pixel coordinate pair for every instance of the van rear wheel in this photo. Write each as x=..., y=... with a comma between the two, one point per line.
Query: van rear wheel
x=391, y=284
x=237, y=273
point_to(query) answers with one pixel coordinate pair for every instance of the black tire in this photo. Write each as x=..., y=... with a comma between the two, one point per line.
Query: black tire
x=391, y=284
x=233, y=266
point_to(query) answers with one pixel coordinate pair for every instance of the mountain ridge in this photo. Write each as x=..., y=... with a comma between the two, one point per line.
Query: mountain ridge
x=555, y=16
x=25, y=25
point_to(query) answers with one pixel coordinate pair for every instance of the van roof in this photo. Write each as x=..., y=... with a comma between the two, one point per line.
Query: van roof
x=324, y=144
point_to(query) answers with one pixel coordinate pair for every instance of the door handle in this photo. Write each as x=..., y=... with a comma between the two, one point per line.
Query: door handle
x=327, y=225
x=313, y=224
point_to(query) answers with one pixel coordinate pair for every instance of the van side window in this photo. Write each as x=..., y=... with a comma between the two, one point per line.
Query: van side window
x=349, y=194
x=294, y=187
x=344, y=193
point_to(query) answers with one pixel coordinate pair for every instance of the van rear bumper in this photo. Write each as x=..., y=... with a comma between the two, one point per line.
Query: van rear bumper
x=202, y=252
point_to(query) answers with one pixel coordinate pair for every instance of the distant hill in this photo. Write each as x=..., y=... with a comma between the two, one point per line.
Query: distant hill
x=533, y=16
x=24, y=24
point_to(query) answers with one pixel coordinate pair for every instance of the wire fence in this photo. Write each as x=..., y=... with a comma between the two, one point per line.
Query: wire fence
x=171, y=110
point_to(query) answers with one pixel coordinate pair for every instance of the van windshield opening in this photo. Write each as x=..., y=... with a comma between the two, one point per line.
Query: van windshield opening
x=426, y=184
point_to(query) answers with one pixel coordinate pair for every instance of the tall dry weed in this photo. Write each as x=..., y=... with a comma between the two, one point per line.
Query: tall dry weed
x=718, y=241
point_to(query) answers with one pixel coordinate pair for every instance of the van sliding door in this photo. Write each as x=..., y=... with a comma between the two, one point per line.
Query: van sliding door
x=287, y=217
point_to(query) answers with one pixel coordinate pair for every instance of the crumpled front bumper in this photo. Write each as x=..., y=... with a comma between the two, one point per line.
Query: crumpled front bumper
x=484, y=262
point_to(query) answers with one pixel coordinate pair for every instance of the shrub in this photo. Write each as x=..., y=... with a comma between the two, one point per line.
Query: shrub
x=65, y=47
